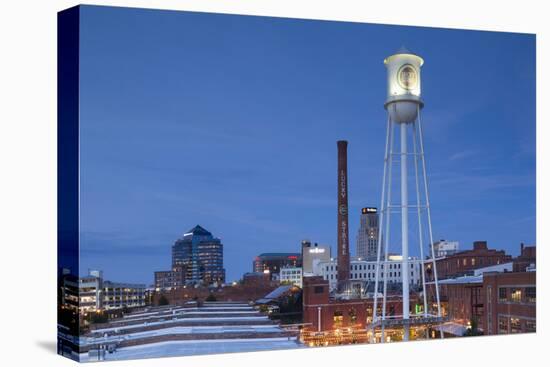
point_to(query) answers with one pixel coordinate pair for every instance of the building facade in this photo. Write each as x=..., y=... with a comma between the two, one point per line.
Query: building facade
x=291, y=276
x=363, y=270
x=465, y=262
x=527, y=259
x=260, y=280
x=500, y=299
x=367, y=235
x=313, y=253
x=119, y=295
x=272, y=263
x=200, y=255
x=510, y=303
x=169, y=279
x=329, y=321
x=92, y=293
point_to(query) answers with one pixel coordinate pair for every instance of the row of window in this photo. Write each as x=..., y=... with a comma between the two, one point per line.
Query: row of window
x=395, y=274
x=479, y=261
x=514, y=325
x=517, y=294
x=284, y=271
x=365, y=267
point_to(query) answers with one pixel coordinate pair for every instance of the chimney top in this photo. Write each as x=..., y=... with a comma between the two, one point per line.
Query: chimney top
x=480, y=245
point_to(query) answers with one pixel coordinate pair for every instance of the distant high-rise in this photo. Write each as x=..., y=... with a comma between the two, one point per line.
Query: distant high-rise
x=201, y=254
x=367, y=235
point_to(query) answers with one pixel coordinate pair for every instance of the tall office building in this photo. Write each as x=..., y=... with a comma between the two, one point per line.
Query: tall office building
x=367, y=236
x=201, y=255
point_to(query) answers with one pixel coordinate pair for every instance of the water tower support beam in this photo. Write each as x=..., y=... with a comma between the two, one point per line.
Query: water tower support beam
x=405, y=228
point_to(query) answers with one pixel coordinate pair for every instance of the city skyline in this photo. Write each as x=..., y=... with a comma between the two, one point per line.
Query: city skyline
x=234, y=128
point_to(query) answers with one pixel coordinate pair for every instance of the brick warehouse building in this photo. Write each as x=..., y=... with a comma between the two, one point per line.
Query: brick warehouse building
x=527, y=257
x=464, y=262
x=321, y=313
x=510, y=303
x=500, y=298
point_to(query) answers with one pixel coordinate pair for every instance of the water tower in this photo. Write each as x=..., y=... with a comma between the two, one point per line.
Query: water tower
x=404, y=104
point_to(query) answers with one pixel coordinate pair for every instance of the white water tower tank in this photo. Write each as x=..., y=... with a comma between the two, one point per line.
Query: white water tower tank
x=403, y=100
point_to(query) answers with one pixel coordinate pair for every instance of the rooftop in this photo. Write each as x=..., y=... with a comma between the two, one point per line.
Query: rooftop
x=279, y=254
x=197, y=231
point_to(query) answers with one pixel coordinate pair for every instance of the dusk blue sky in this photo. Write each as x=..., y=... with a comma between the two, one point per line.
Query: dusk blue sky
x=231, y=122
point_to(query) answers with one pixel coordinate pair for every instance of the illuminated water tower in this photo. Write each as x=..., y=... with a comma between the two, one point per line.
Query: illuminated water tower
x=404, y=104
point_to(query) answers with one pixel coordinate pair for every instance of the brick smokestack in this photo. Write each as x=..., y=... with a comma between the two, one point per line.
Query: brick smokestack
x=343, y=230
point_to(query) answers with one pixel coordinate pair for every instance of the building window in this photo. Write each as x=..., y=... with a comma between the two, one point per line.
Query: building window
x=489, y=309
x=318, y=289
x=502, y=295
x=338, y=318
x=515, y=325
x=516, y=295
x=473, y=261
x=530, y=326
x=503, y=325
x=353, y=316
x=531, y=294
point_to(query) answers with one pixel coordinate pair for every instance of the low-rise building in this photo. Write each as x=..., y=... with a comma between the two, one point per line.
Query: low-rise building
x=120, y=295
x=256, y=279
x=510, y=303
x=527, y=258
x=92, y=293
x=291, y=276
x=272, y=262
x=170, y=279
x=465, y=262
x=363, y=270
x=329, y=321
x=90, y=290
x=498, y=298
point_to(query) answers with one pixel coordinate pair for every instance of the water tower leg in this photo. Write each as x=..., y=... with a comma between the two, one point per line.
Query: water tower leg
x=405, y=230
